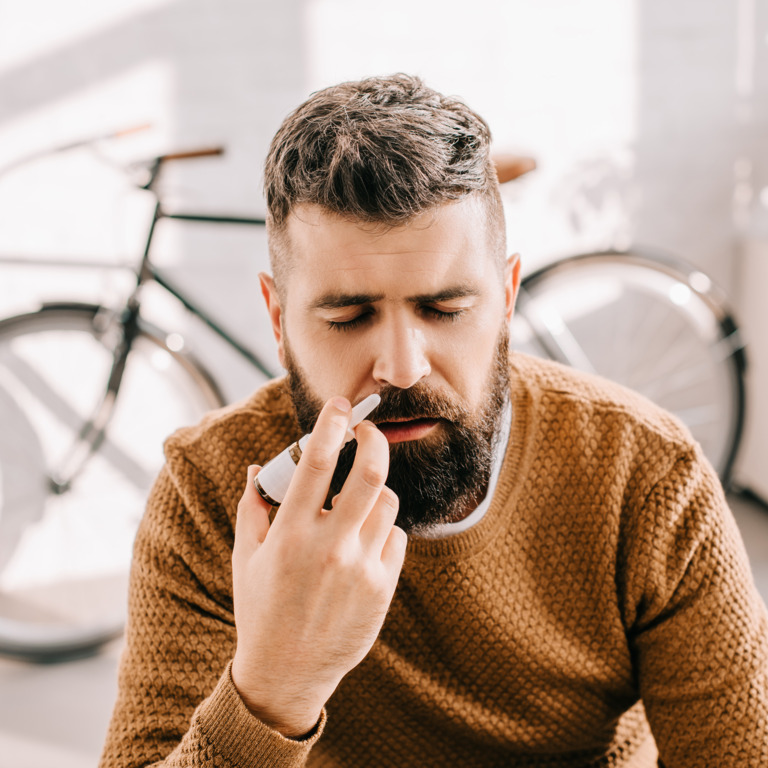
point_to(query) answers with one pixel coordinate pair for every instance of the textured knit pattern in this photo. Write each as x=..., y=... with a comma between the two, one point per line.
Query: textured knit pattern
x=605, y=596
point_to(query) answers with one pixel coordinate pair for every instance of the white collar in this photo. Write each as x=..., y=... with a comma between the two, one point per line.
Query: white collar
x=442, y=530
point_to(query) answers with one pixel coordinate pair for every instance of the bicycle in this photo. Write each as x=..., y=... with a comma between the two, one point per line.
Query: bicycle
x=79, y=438
x=68, y=453
x=649, y=321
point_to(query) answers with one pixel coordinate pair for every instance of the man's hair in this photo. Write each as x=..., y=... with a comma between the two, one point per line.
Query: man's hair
x=381, y=150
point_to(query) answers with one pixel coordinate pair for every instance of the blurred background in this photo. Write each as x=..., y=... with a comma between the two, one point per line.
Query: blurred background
x=647, y=120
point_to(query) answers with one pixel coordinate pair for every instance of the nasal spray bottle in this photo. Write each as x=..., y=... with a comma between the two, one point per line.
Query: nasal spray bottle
x=275, y=476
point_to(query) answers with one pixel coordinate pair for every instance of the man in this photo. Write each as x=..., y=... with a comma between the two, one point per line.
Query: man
x=513, y=565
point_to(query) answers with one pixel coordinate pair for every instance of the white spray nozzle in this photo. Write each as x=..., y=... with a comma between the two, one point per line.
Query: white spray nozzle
x=275, y=476
x=362, y=409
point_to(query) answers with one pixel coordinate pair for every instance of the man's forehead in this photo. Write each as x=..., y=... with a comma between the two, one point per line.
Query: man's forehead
x=448, y=235
x=309, y=220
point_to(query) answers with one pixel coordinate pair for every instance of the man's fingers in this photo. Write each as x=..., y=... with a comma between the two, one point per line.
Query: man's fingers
x=393, y=553
x=364, y=485
x=309, y=486
x=377, y=526
x=252, y=515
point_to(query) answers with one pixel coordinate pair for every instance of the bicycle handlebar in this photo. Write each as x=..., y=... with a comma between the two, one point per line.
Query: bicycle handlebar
x=94, y=139
x=126, y=131
x=70, y=145
x=203, y=152
x=154, y=165
x=79, y=143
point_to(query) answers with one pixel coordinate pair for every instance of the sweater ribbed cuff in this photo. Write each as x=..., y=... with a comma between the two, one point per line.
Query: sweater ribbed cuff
x=241, y=738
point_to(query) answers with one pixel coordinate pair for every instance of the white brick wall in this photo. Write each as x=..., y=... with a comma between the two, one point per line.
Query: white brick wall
x=633, y=108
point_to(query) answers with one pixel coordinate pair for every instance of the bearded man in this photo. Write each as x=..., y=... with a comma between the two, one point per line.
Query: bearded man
x=512, y=565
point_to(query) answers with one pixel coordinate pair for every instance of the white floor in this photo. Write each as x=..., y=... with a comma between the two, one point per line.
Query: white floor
x=56, y=715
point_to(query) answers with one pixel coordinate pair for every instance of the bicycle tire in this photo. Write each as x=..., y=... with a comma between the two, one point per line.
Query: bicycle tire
x=654, y=324
x=64, y=559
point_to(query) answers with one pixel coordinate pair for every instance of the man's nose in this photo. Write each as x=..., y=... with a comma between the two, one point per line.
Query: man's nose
x=400, y=355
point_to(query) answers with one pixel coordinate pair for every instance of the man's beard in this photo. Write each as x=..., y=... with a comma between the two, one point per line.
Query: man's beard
x=441, y=477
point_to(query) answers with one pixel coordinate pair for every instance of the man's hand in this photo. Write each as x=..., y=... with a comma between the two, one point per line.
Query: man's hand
x=312, y=591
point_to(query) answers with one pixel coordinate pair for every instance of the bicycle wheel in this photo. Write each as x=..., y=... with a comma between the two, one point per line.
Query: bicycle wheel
x=65, y=552
x=657, y=326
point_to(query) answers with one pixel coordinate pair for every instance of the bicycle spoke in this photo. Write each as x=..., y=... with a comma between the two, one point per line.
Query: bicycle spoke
x=63, y=411
x=64, y=558
x=639, y=322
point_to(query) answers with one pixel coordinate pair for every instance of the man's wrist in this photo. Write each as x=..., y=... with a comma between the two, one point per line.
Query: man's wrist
x=293, y=722
x=298, y=728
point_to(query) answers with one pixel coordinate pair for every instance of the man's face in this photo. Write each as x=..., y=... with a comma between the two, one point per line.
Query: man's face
x=417, y=313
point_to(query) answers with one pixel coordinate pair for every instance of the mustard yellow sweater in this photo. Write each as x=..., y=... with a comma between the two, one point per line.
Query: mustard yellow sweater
x=605, y=596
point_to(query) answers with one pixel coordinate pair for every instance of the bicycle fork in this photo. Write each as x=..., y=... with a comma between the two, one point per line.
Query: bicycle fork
x=92, y=433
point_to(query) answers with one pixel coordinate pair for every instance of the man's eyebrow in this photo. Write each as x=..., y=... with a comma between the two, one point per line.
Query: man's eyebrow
x=446, y=294
x=339, y=300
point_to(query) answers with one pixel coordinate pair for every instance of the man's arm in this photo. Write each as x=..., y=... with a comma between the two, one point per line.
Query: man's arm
x=697, y=625
x=311, y=591
x=324, y=577
x=177, y=705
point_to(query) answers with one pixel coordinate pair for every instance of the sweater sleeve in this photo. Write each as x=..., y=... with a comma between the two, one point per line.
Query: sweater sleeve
x=696, y=624
x=177, y=705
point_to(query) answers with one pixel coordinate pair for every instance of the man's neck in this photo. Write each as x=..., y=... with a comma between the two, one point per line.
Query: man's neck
x=470, y=504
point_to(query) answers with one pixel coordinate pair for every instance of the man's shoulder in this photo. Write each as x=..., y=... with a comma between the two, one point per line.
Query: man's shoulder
x=250, y=431
x=587, y=435
x=556, y=390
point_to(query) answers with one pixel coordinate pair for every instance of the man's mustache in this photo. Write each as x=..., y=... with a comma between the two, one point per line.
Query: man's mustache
x=416, y=402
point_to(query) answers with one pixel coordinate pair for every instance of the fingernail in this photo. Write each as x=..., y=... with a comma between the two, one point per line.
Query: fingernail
x=341, y=403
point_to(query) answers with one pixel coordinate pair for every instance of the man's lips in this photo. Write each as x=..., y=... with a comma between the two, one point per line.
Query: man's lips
x=407, y=429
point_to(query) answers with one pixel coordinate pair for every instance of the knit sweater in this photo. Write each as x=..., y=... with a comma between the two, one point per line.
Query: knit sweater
x=601, y=610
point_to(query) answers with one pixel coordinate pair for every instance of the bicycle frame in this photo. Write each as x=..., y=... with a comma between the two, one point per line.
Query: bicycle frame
x=148, y=272
x=94, y=430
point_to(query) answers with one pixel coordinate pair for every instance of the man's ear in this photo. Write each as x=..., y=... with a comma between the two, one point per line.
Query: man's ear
x=511, y=283
x=272, y=300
